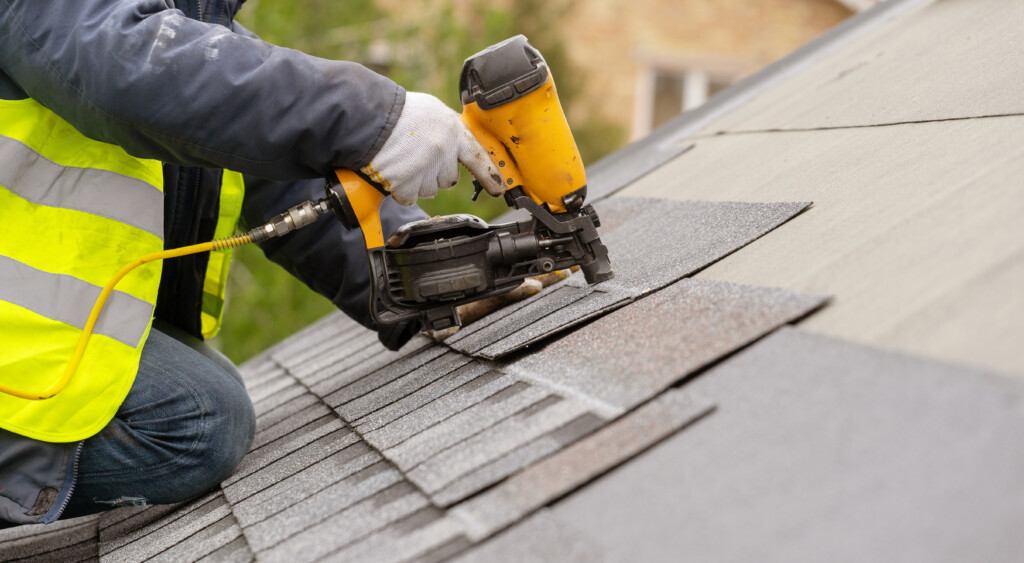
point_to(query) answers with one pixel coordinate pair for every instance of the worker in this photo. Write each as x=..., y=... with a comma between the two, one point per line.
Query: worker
x=129, y=126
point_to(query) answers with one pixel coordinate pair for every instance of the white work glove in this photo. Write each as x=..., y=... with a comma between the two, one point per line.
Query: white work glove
x=423, y=153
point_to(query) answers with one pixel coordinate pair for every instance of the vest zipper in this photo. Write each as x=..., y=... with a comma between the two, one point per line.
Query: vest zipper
x=74, y=480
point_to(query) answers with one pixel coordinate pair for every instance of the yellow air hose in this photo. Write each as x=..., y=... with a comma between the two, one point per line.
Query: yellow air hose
x=295, y=218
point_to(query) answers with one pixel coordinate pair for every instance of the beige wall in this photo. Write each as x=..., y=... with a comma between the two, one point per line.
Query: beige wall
x=613, y=40
x=615, y=43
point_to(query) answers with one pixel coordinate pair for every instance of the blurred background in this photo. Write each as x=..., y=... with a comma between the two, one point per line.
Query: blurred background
x=623, y=67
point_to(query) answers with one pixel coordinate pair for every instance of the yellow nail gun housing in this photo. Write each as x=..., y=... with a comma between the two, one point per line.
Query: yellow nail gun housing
x=428, y=268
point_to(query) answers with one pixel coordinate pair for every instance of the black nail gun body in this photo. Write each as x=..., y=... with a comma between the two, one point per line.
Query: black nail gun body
x=428, y=268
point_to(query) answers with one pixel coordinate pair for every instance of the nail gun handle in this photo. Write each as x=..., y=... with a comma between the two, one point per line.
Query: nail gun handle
x=356, y=202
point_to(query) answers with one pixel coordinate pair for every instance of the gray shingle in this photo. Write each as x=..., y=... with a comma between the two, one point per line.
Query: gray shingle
x=167, y=532
x=399, y=388
x=419, y=398
x=318, y=509
x=595, y=304
x=265, y=389
x=538, y=538
x=204, y=542
x=335, y=327
x=277, y=399
x=380, y=511
x=303, y=417
x=866, y=454
x=471, y=336
x=290, y=464
x=303, y=484
x=657, y=243
x=540, y=305
x=613, y=361
x=258, y=459
x=447, y=466
x=235, y=552
x=561, y=473
x=359, y=382
x=282, y=412
x=358, y=362
x=457, y=428
x=68, y=540
x=120, y=521
x=414, y=542
x=328, y=354
x=433, y=413
x=489, y=473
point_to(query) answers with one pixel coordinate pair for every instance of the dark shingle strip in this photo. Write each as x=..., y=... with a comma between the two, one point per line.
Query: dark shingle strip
x=285, y=445
x=455, y=429
x=204, y=542
x=400, y=387
x=424, y=396
x=304, y=484
x=110, y=542
x=265, y=389
x=359, y=382
x=561, y=473
x=277, y=399
x=290, y=464
x=554, y=299
x=449, y=465
x=353, y=363
x=326, y=354
x=489, y=473
x=361, y=519
x=121, y=521
x=443, y=408
x=271, y=417
x=593, y=305
x=282, y=530
x=68, y=540
x=168, y=532
x=235, y=552
x=299, y=419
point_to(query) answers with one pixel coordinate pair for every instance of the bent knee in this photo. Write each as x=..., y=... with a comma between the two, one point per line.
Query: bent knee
x=232, y=426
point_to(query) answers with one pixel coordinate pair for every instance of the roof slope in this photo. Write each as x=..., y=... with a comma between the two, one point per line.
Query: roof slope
x=666, y=412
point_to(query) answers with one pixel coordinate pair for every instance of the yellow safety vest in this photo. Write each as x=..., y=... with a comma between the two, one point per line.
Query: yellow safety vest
x=232, y=191
x=74, y=212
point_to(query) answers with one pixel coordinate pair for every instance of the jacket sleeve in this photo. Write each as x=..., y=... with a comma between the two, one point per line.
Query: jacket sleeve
x=325, y=256
x=142, y=75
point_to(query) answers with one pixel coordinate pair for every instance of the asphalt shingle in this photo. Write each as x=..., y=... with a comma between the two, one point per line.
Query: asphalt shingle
x=71, y=540
x=657, y=243
x=613, y=361
x=870, y=454
x=557, y=475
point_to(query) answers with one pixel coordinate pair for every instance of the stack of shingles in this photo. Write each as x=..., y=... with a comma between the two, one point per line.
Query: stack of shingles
x=362, y=453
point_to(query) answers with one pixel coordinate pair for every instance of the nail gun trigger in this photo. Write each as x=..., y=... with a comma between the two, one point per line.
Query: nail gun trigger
x=477, y=188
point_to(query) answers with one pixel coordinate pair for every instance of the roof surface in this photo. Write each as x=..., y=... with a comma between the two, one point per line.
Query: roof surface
x=671, y=410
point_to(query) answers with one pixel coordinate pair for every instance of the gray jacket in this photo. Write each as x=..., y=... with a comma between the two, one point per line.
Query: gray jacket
x=179, y=81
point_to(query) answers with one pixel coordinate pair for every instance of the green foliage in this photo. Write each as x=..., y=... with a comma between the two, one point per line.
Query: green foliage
x=265, y=305
x=423, y=54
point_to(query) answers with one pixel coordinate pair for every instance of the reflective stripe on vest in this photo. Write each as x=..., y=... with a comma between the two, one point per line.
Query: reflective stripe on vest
x=74, y=212
x=232, y=191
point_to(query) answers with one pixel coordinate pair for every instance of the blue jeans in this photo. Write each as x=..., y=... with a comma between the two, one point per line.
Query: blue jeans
x=183, y=429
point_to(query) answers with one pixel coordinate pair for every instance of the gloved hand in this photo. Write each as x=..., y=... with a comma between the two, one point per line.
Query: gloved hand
x=422, y=154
